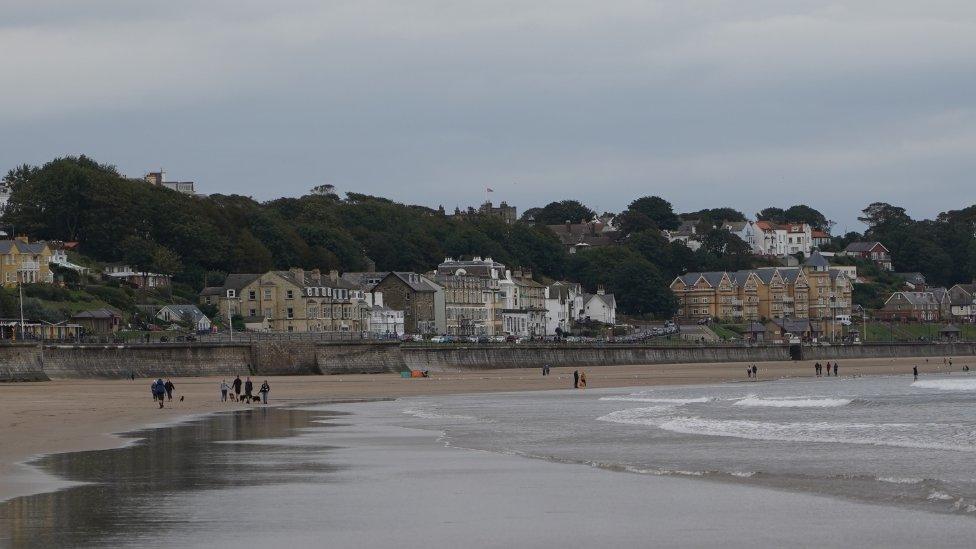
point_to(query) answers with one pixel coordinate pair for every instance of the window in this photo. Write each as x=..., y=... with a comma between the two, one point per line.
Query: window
x=252, y=312
x=267, y=293
x=290, y=313
x=290, y=294
x=267, y=313
x=231, y=293
x=252, y=295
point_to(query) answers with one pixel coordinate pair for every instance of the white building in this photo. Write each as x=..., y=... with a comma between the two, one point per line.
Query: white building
x=768, y=238
x=598, y=307
x=383, y=320
x=560, y=306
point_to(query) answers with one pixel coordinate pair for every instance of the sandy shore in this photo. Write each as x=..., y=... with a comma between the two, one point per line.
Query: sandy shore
x=64, y=416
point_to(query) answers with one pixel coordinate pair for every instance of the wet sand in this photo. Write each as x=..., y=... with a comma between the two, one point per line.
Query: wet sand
x=64, y=416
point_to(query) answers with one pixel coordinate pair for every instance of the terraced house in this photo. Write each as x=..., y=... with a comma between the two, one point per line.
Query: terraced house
x=813, y=291
x=292, y=301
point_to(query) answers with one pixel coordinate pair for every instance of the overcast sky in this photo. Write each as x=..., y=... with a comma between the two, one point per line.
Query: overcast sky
x=712, y=103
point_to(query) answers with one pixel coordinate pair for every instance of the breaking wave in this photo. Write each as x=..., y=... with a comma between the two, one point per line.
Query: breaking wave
x=792, y=402
x=947, y=384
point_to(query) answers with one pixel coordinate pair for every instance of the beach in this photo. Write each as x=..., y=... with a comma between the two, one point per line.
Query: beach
x=868, y=461
x=73, y=415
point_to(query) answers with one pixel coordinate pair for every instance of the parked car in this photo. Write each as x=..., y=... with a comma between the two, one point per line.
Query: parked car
x=484, y=339
x=440, y=339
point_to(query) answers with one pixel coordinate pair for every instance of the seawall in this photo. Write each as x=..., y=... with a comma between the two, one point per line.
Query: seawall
x=31, y=362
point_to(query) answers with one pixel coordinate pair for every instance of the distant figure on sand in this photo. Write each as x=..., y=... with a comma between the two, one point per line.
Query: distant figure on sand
x=248, y=390
x=224, y=389
x=755, y=372
x=264, y=390
x=816, y=369
x=749, y=371
x=582, y=380
x=169, y=389
x=237, y=388
x=159, y=390
x=835, y=368
x=576, y=379
x=915, y=372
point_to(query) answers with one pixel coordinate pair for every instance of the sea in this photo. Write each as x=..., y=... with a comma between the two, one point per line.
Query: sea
x=819, y=462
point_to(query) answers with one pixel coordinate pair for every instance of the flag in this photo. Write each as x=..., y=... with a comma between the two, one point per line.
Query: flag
x=489, y=189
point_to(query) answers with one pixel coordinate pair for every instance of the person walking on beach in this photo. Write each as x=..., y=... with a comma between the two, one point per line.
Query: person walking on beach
x=582, y=380
x=835, y=368
x=152, y=390
x=828, y=369
x=224, y=389
x=816, y=369
x=248, y=390
x=915, y=372
x=159, y=389
x=755, y=372
x=749, y=372
x=576, y=379
x=264, y=390
x=237, y=387
x=169, y=389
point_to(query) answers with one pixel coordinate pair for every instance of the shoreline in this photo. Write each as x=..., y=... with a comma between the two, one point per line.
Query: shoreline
x=54, y=417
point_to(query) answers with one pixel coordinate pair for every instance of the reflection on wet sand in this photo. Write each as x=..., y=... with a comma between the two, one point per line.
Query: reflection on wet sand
x=128, y=487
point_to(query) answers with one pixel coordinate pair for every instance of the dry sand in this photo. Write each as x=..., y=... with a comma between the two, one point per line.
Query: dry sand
x=63, y=416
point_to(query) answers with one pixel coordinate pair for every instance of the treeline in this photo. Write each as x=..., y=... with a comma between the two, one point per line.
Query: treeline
x=201, y=239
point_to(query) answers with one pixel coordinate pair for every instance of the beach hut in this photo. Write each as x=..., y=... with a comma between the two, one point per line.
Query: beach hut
x=950, y=332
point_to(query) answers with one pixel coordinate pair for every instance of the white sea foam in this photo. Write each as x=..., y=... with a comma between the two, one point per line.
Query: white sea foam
x=947, y=384
x=430, y=413
x=901, y=480
x=639, y=398
x=792, y=402
x=650, y=415
x=903, y=435
x=936, y=495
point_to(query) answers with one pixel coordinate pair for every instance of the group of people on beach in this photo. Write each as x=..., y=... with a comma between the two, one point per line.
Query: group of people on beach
x=248, y=386
x=579, y=379
x=818, y=369
x=162, y=390
x=752, y=372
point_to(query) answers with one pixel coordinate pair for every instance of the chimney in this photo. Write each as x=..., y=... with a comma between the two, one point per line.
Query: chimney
x=22, y=238
x=600, y=290
x=299, y=274
x=316, y=274
x=334, y=275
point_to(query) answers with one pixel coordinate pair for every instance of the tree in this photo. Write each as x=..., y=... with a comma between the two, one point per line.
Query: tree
x=772, y=213
x=324, y=190
x=805, y=214
x=657, y=210
x=882, y=213
x=556, y=213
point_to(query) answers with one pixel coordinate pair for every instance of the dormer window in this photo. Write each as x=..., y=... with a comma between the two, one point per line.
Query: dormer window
x=231, y=293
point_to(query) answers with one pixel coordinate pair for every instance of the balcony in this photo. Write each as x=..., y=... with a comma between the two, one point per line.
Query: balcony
x=737, y=302
x=736, y=314
x=787, y=299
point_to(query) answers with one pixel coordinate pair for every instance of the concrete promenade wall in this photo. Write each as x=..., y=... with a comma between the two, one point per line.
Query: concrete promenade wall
x=486, y=356
x=888, y=350
x=28, y=362
x=21, y=362
x=162, y=360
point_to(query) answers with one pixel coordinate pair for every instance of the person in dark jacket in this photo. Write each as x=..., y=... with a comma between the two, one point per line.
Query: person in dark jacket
x=248, y=390
x=159, y=390
x=835, y=368
x=237, y=387
x=915, y=372
x=575, y=379
x=169, y=389
x=264, y=390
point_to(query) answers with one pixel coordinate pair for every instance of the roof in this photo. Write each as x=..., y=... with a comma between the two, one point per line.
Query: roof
x=103, y=313
x=949, y=328
x=362, y=279
x=414, y=281
x=816, y=260
x=863, y=246
x=607, y=299
x=195, y=313
x=476, y=266
x=212, y=290
x=326, y=281
x=734, y=226
x=916, y=298
x=817, y=233
x=238, y=281
x=794, y=325
x=911, y=278
x=755, y=327
x=22, y=247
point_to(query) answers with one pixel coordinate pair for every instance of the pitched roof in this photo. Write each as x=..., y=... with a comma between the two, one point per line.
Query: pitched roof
x=607, y=299
x=185, y=309
x=414, y=281
x=22, y=247
x=238, y=281
x=364, y=279
x=104, y=312
x=816, y=260
x=863, y=246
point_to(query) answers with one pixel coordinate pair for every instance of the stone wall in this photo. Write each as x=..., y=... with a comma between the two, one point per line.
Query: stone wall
x=162, y=360
x=488, y=356
x=886, y=350
x=360, y=358
x=29, y=362
x=21, y=362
